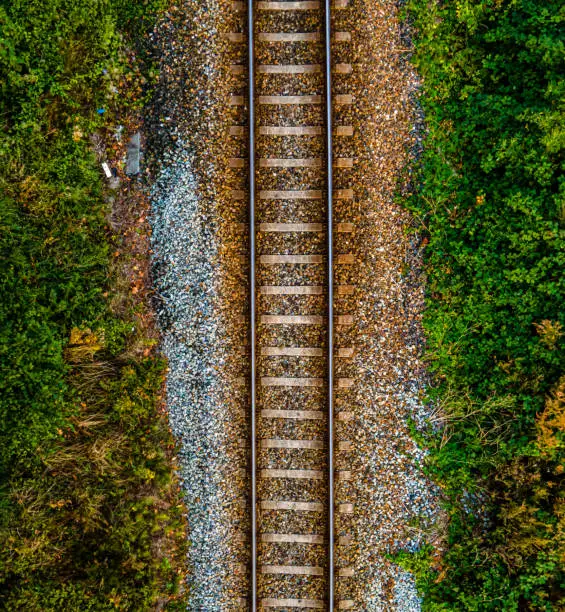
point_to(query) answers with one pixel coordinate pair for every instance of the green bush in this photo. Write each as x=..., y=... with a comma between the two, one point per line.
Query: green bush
x=89, y=510
x=492, y=207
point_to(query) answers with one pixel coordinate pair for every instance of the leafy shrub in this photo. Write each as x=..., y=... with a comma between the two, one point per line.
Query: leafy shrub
x=89, y=510
x=491, y=201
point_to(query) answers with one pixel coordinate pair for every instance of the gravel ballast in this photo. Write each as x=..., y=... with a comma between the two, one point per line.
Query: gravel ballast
x=200, y=280
x=197, y=280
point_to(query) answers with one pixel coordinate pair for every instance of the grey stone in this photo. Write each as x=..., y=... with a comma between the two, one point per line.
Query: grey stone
x=133, y=154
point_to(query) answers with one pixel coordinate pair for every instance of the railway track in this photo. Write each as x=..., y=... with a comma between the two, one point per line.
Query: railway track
x=286, y=117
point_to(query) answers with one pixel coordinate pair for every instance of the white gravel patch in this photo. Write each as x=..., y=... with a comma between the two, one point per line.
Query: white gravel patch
x=184, y=251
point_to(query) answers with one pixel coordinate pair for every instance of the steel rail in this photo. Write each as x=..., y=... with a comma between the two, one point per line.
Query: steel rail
x=252, y=297
x=329, y=169
x=252, y=302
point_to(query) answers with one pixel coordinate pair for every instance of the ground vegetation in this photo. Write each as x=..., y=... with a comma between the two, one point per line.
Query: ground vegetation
x=491, y=210
x=90, y=513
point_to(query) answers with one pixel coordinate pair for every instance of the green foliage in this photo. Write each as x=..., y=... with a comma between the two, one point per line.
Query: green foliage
x=492, y=206
x=107, y=477
x=89, y=514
